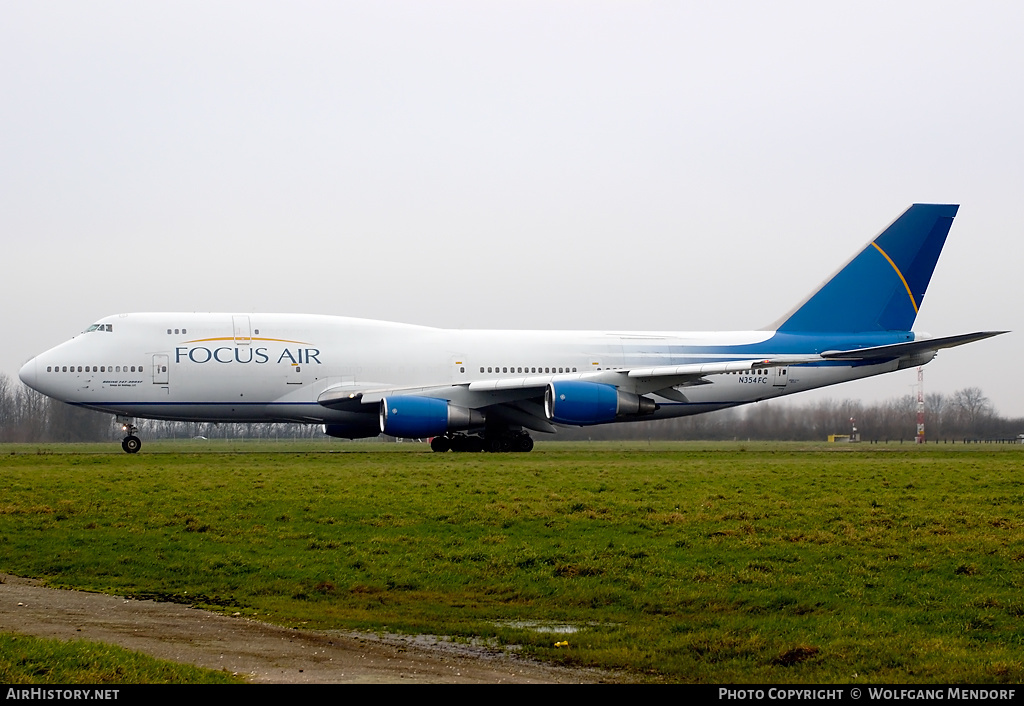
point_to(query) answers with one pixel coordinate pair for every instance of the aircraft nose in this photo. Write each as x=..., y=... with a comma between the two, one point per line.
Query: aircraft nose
x=28, y=374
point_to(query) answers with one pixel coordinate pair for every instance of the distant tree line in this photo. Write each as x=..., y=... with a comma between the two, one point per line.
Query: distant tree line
x=967, y=414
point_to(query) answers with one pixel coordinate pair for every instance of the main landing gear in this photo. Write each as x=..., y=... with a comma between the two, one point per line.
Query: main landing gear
x=503, y=441
x=131, y=443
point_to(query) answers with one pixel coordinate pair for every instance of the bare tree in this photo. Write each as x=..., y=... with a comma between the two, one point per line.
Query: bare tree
x=972, y=408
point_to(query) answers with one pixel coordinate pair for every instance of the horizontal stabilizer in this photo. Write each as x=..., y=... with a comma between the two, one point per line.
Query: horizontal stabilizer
x=899, y=350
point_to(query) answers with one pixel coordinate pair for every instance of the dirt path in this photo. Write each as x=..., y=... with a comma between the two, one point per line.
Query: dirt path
x=263, y=653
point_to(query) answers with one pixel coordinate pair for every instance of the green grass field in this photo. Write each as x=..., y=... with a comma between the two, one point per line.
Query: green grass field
x=30, y=660
x=694, y=562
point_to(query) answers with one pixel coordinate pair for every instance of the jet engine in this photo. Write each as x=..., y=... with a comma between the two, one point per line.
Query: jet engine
x=582, y=403
x=412, y=417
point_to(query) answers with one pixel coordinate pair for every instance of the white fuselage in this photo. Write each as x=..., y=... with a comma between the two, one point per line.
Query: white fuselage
x=274, y=367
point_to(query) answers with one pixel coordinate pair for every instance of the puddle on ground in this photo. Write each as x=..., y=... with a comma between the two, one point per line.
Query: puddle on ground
x=557, y=628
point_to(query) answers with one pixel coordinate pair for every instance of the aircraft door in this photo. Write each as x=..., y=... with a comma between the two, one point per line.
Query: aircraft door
x=780, y=376
x=294, y=376
x=243, y=333
x=160, y=374
x=458, y=368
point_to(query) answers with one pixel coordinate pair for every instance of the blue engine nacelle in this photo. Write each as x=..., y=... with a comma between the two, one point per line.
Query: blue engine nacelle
x=412, y=417
x=583, y=403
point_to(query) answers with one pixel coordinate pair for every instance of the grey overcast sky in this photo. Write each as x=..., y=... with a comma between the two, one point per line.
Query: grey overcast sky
x=594, y=165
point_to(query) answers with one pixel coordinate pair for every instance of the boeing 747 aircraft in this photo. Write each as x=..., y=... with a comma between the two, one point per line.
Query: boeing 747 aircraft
x=482, y=390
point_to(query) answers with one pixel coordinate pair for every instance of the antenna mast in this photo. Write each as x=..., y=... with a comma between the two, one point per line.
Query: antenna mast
x=920, y=405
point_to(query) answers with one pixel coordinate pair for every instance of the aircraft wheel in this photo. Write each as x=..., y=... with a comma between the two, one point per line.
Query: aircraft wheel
x=524, y=444
x=131, y=444
x=497, y=445
x=465, y=444
x=440, y=444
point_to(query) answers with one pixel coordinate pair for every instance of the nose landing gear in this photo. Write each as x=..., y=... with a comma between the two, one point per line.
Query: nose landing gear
x=131, y=443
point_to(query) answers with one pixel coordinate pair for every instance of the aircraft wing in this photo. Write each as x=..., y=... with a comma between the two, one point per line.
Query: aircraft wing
x=511, y=389
x=515, y=391
x=899, y=350
x=352, y=398
x=519, y=400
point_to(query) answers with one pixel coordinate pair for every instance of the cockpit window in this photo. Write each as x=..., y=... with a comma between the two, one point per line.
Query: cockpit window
x=100, y=327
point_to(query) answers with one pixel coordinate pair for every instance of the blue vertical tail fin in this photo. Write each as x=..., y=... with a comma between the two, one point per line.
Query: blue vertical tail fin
x=882, y=287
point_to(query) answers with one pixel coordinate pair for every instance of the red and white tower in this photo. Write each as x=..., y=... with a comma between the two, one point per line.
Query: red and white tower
x=920, y=405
